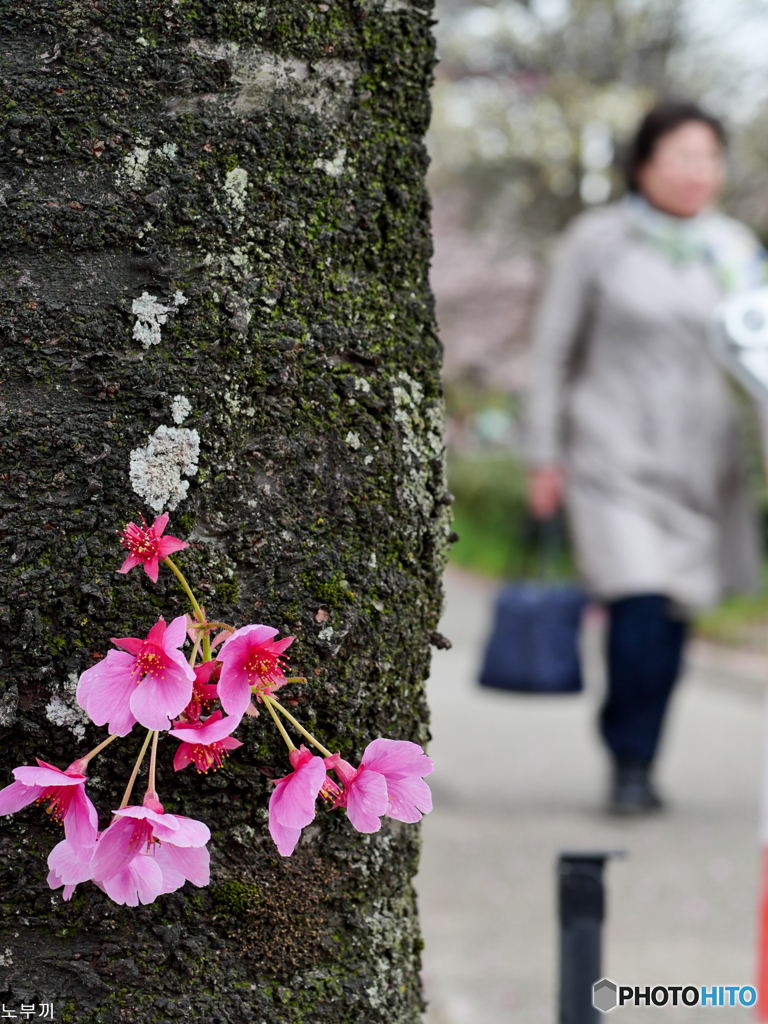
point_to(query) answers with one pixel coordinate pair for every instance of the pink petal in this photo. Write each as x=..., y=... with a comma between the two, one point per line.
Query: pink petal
x=168, y=545
x=234, y=692
x=408, y=799
x=398, y=758
x=367, y=800
x=209, y=732
x=81, y=822
x=247, y=636
x=69, y=865
x=183, y=757
x=230, y=743
x=16, y=796
x=204, y=670
x=172, y=879
x=175, y=635
x=160, y=524
x=156, y=634
x=174, y=828
x=219, y=638
x=46, y=775
x=181, y=831
x=132, y=644
x=154, y=701
x=129, y=563
x=152, y=567
x=145, y=813
x=281, y=645
x=139, y=881
x=112, y=851
x=194, y=863
x=285, y=838
x=293, y=799
x=108, y=688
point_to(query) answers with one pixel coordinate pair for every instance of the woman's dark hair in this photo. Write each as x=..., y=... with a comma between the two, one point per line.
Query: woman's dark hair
x=665, y=117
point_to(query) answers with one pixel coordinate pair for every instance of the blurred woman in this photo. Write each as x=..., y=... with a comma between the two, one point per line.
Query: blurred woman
x=631, y=421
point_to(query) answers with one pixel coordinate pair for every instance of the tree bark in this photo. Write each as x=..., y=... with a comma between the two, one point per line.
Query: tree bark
x=219, y=201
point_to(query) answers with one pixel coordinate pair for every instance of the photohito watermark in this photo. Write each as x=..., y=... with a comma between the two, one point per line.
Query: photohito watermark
x=607, y=995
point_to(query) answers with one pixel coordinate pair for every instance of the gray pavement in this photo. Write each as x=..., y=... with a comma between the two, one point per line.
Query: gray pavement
x=518, y=779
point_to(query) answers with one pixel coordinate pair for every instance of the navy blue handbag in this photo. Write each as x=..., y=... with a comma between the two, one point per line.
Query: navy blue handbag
x=533, y=647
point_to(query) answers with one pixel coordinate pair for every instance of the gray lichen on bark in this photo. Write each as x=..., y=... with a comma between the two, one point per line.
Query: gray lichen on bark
x=264, y=162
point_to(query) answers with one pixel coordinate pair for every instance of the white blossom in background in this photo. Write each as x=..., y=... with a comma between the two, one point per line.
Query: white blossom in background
x=150, y=314
x=156, y=470
x=181, y=407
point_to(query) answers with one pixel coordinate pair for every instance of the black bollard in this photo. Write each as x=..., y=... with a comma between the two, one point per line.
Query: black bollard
x=581, y=911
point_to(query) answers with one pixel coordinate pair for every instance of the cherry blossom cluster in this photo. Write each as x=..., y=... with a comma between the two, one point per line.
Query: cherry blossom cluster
x=151, y=682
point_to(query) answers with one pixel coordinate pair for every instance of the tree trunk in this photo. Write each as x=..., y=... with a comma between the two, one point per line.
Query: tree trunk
x=215, y=223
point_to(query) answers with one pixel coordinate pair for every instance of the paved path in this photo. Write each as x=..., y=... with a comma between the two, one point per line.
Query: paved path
x=519, y=779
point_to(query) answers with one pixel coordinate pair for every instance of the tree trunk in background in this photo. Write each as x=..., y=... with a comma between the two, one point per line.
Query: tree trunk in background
x=220, y=200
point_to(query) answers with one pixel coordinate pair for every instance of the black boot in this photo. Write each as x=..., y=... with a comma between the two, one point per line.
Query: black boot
x=632, y=791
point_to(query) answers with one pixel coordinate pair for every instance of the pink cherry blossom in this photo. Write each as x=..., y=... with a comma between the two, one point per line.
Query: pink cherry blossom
x=390, y=780
x=147, y=547
x=145, y=852
x=292, y=804
x=149, y=681
x=206, y=743
x=249, y=658
x=65, y=793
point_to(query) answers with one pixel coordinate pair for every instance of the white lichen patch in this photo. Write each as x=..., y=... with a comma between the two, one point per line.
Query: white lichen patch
x=150, y=314
x=6, y=958
x=361, y=384
x=372, y=560
x=236, y=187
x=421, y=431
x=181, y=407
x=353, y=440
x=157, y=469
x=134, y=167
x=334, y=167
x=63, y=711
x=326, y=633
x=169, y=150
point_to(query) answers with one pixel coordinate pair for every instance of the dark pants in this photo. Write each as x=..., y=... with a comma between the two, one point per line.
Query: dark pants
x=645, y=645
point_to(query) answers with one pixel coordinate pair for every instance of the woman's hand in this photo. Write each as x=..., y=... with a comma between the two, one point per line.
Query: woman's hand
x=545, y=490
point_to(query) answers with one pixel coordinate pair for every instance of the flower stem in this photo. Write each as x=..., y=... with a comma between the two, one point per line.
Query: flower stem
x=281, y=727
x=193, y=655
x=98, y=750
x=270, y=701
x=153, y=765
x=187, y=589
x=296, y=679
x=221, y=625
x=135, y=772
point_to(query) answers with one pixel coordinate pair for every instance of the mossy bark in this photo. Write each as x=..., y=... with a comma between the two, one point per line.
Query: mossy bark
x=266, y=161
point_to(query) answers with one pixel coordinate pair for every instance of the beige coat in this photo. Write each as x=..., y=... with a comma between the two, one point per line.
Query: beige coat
x=627, y=397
